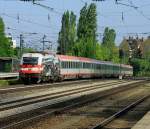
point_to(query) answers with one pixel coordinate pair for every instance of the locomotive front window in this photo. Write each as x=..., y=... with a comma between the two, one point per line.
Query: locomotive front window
x=30, y=60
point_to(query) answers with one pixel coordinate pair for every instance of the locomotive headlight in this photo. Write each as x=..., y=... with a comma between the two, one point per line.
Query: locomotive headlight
x=24, y=68
x=35, y=69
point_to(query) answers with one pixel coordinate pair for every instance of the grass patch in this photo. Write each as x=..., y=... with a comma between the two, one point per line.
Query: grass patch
x=14, y=82
x=4, y=83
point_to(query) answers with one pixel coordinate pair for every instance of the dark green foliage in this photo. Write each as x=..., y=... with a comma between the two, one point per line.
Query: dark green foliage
x=109, y=51
x=109, y=38
x=5, y=43
x=67, y=35
x=86, y=32
x=141, y=67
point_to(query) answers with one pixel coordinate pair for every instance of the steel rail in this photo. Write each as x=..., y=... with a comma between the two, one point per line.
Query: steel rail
x=119, y=113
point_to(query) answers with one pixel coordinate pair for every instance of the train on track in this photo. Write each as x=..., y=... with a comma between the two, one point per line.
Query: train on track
x=37, y=67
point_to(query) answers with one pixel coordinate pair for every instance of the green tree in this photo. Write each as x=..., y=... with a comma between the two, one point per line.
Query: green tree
x=72, y=33
x=110, y=51
x=5, y=43
x=82, y=24
x=109, y=38
x=86, y=32
x=67, y=35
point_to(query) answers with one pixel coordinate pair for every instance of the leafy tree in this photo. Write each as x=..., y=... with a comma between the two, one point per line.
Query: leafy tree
x=82, y=24
x=86, y=32
x=110, y=51
x=67, y=35
x=141, y=67
x=72, y=33
x=5, y=43
x=99, y=52
x=109, y=38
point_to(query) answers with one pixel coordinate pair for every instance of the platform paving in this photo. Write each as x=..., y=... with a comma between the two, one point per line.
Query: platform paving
x=144, y=123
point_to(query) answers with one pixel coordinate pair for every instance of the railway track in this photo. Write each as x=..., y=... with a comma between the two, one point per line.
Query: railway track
x=40, y=86
x=73, y=94
x=119, y=113
x=57, y=84
x=35, y=99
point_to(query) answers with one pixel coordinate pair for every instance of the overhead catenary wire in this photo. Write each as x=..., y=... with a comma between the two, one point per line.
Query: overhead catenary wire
x=24, y=20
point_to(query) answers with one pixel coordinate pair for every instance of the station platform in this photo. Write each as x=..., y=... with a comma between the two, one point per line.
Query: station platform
x=144, y=123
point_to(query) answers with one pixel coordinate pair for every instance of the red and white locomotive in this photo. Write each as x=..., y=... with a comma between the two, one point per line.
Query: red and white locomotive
x=37, y=67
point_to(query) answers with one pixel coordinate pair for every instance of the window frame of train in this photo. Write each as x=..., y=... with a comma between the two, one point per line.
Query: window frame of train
x=69, y=65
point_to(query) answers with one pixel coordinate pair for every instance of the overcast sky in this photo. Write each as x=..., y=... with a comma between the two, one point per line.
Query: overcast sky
x=24, y=17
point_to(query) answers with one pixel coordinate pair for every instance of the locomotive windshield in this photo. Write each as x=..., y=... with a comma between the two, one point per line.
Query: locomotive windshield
x=30, y=60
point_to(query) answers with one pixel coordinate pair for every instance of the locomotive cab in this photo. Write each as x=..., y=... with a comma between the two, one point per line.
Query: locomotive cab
x=37, y=67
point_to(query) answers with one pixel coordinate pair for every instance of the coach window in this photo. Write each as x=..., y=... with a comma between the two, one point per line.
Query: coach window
x=66, y=64
x=69, y=64
x=62, y=66
x=72, y=64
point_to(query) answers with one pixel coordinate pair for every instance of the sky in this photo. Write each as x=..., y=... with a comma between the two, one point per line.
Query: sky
x=130, y=17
